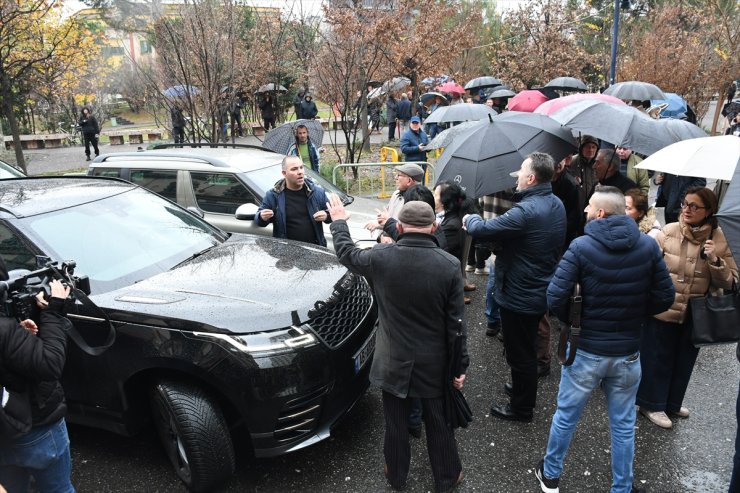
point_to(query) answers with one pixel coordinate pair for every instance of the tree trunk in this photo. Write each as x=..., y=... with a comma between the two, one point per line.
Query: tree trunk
x=718, y=108
x=6, y=95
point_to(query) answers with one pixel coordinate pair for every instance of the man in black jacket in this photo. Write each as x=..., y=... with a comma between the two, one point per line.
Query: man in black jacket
x=418, y=325
x=607, y=172
x=32, y=358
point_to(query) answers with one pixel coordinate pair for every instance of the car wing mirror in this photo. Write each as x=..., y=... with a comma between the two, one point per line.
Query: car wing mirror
x=246, y=212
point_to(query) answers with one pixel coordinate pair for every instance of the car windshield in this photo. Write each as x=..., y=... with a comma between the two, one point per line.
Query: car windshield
x=122, y=239
x=264, y=179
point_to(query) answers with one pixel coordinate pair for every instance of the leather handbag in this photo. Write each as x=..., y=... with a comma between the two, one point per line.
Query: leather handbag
x=573, y=330
x=716, y=319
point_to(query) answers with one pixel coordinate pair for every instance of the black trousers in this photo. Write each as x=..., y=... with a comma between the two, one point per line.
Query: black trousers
x=520, y=344
x=90, y=139
x=391, y=129
x=441, y=444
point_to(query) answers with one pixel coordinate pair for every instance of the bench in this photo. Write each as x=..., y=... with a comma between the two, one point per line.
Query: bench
x=153, y=135
x=116, y=138
x=325, y=123
x=40, y=141
x=256, y=128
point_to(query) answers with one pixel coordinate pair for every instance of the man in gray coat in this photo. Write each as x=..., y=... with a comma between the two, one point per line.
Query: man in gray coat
x=419, y=322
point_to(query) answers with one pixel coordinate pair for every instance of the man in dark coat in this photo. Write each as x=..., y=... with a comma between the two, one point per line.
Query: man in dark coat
x=308, y=108
x=671, y=192
x=413, y=142
x=178, y=124
x=297, y=101
x=267, y=108
x=607, y=172
x=531, y=235
x=391, y=109
x=623, y=281
x=418, y=324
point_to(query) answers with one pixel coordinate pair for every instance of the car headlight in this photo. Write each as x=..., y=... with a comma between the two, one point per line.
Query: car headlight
x=264, y=343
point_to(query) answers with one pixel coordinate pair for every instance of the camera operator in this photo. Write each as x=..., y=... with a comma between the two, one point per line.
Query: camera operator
x=32, y=357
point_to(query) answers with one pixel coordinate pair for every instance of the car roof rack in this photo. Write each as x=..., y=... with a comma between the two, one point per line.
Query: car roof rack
x=211, y=145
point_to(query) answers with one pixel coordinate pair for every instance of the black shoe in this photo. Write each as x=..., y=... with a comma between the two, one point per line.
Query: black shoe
x=393, y=486
x=547, y=485
x=88, y=158
x=508, y=389
x=460, y=479
x=543, y=370
x=493, y=329
x=504, y=411
x=635, y=489
x=415, y=432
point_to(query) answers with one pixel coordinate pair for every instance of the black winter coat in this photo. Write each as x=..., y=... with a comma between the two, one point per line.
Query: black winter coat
x=309, y=110
x=419, y=288
x=88, y=125
x=36, y=362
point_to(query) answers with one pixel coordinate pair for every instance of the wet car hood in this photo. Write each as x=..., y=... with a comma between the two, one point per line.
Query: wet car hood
x=247, y=284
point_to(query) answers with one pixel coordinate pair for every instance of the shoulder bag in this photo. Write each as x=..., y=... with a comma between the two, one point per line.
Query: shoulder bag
x=716, y=319
x=573, y=330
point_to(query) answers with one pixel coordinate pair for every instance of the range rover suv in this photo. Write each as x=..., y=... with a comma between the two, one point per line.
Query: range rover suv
x=219, y=337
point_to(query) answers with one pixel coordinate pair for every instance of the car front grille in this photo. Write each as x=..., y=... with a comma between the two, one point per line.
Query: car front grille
x=299, y=417
x=335, y=319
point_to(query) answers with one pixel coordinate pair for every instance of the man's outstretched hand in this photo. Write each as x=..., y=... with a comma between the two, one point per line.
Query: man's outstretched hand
x=336, y=208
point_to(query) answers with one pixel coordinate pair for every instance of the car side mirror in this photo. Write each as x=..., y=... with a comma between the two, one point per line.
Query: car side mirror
x=246, y=212
x=196, y=212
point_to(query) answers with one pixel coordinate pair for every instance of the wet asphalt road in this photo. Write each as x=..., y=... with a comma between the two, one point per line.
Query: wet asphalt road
x=498, y=456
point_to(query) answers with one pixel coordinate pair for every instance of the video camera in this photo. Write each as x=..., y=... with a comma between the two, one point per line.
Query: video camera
x=20, y=302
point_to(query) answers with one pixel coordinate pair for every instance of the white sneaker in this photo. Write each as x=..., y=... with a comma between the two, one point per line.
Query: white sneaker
x=483, y=271
x=681, y=413
x=657, y=417
x=469, y=268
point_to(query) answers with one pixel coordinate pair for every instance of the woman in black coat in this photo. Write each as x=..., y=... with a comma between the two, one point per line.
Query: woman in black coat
x=90, y=131
x=451, y=202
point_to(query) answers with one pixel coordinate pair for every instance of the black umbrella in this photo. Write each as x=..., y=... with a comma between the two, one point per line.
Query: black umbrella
x=729, y=213
x=279, y=139
x=426, y=97
x=482, y=83
x=635, y=90
x=567, y=84
x=500, y=92
x=480, y=161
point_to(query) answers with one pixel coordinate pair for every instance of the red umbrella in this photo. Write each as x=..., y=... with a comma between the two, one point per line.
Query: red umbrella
x=451, y=88
x=550, y=107
x=527, y=101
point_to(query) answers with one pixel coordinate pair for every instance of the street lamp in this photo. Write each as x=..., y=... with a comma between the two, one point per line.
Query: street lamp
x=626, y=5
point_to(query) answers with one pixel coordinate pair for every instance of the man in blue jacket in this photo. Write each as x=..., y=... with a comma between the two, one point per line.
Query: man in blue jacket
x=413, y=142
x=531, y=236
x=295, y=206
x=623, y=282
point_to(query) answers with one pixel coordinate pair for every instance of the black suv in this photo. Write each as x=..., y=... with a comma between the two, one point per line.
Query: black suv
x=219, y=337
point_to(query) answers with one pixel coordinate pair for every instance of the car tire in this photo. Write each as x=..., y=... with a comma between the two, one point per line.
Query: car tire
x=194, y=434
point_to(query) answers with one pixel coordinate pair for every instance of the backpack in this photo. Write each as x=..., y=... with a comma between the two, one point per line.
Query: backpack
x=15, y=413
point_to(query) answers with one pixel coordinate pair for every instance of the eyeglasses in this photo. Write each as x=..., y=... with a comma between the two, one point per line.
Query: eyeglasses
x=691, y=207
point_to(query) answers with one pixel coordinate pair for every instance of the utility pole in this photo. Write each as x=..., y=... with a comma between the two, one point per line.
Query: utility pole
x=615, y=41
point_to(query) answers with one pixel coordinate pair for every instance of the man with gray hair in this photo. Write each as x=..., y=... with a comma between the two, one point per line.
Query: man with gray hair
x=607, y=172
x=623, y=282
x=419, y=288
x=531, y=236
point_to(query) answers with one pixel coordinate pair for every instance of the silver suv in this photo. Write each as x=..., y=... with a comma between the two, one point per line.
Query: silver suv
x=211, y=181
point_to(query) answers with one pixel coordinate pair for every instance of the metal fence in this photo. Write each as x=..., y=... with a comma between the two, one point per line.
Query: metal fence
x=375, y=178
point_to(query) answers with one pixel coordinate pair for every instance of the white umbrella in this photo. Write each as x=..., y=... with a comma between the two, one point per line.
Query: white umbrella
x=705, y=157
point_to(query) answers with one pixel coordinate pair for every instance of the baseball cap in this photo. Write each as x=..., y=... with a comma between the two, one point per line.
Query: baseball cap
x=415, y=119
x=412, y=170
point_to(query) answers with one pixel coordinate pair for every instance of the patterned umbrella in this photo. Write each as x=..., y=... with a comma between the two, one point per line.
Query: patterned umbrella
x=279, y=139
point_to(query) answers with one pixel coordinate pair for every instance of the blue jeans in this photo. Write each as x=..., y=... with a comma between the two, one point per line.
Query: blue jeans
x=492, y=310
x=619, y=377
x=42, y=453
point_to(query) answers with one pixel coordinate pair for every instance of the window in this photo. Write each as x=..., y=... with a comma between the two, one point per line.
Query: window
x=14, y=253
x=109, y=51
x=220, y=193
x=145, y=47
x=111, y=172
x=163, y=182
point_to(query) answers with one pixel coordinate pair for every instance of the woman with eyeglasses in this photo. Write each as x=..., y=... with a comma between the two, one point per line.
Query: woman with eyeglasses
x=699, y=260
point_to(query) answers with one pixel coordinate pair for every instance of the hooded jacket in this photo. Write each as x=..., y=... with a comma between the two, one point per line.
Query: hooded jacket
x=623, y=281
x=275, y=200
x=692, y=275
x=532, y=234
x=308, y=108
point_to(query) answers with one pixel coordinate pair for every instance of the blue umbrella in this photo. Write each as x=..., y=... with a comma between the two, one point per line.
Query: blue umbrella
x=180, y=91
x=676, y=105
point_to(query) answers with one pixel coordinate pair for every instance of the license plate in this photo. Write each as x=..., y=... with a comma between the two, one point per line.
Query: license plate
x=363, y=355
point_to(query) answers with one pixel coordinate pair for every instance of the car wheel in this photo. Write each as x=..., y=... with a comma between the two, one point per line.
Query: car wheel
x=194, y=433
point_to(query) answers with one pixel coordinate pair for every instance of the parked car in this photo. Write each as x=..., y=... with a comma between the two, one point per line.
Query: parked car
x=211, y=181
x=220, y=338
x=9, y=171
